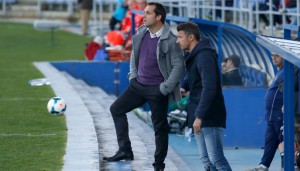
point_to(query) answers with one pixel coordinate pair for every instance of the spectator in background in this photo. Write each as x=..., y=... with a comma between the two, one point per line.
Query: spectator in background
x=264, y=5
x=232, y=76
x=227, y=3
x=123, y=36
x=291, y=7
x=119, y=14
x=224, y=65
x=138, y=20
x=86, y=7
x=274, y=116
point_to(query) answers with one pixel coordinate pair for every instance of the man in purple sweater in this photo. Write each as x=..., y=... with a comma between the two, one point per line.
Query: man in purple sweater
x=156, y=67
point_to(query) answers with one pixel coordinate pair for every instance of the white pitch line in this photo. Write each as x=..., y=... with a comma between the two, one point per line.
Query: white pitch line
x=21, y=98
x=26, y=135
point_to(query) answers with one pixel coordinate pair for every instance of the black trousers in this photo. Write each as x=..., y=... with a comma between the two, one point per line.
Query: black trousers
x=273, y=137
x=112, y=23
x=135, y=96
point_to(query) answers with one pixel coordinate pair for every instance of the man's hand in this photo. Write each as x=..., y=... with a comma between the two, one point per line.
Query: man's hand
x=197, y=125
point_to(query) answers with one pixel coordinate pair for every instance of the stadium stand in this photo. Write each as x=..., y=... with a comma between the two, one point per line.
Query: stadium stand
x=9, y=1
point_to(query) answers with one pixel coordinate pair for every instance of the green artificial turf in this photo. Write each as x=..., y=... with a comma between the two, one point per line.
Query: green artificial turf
x=30, y=138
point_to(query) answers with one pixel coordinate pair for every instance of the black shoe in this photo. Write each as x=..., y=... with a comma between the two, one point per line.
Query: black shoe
x=159, y=167
x=120, y=155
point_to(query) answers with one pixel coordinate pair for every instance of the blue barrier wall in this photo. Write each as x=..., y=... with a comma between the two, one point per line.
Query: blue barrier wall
x=110, y=76
x=245, y=117
x=245, y=121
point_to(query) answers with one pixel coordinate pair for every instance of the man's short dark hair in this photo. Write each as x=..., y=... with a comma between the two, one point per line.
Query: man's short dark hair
x=225, y=60
x=189, y=28
x=159, y=10
x=235, y=60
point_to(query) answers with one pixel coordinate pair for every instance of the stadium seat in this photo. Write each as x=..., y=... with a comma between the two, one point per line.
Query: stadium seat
x=253, y=77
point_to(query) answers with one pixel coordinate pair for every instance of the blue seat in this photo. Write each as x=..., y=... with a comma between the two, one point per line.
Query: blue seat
x=253, y=77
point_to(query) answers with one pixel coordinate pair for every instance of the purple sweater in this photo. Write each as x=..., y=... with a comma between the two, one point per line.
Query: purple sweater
x=148, y=70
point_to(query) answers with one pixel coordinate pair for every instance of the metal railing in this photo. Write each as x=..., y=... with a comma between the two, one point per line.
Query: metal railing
x=70, y=5
x=239, y=12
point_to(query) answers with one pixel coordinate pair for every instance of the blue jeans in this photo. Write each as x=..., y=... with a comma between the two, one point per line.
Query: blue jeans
x=210, y=146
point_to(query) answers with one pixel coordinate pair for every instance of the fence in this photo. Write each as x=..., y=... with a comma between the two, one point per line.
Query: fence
x=239, y=12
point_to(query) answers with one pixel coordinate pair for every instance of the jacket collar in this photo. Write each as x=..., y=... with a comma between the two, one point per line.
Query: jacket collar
x=165, y=32
x=137, y=39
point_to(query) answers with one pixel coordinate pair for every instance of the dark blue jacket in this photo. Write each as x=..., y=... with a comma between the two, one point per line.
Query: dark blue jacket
x=274, y=98
x=206, y=98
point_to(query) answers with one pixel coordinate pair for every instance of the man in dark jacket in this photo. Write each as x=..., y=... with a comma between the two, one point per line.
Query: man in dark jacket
x=232, y=75
x=206, y=99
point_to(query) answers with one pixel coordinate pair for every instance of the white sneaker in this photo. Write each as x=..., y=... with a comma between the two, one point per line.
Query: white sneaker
x=258, y=168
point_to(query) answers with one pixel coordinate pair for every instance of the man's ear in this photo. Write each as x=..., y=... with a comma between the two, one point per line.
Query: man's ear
x=158, y=17
x=191, y=37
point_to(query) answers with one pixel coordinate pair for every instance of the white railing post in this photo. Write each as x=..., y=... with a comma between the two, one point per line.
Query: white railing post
x=180, y=8
x=271, y=18
x=235, y=6
x=94, y=12
x=222, y=11
x=257, y=12
x=298, y=13
x=189, y=9
x=214, y=10
x=70, y=8
x=171, y=7
x=197, y=10
x=4, y=7
x=100, y=31
x=250, y=8
x=283, y=12
x=39, y=8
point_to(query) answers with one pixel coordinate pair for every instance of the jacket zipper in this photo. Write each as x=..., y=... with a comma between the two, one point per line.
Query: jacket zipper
x=273, y=104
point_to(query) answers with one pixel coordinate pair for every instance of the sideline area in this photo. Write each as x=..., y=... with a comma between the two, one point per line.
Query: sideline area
x=91, y=134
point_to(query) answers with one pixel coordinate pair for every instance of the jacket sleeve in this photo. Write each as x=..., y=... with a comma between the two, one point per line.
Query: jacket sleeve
x=206, y=66
x=132, y=67
x=176, y=63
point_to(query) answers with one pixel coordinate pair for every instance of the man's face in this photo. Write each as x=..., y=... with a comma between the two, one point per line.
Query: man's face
x=150, y=17
x=131, y=4
x=229, y=64
x=277, y=60
x=142, y=4
x=183, y=40
x=224, y=68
